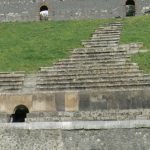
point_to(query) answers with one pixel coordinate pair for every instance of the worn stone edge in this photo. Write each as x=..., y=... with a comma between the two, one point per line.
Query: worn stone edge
x=79, y=125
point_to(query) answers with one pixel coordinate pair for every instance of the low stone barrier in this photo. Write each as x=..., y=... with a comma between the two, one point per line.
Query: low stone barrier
x=108, y=135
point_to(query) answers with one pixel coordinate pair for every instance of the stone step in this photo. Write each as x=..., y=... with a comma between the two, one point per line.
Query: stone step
x=101, y=40
x=87, y=68
x=3, y=75
x=101, y=50
x=127, y=114
x=109, y=28
x=11, y=80
x=94, y=46
x=94, y=78
x=88, y=45
x=97, y=67
x=115, y=86
x=118, y=48
x=116, y=73
x=115, y=24
x=10, y=88
x=96, y=62
x=104, y=36
x=100, y=55
x=16, y=83
x=106, y=32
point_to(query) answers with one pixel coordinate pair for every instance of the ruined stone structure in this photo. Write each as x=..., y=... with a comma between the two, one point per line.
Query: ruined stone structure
x=96, y=99
x=18, y=10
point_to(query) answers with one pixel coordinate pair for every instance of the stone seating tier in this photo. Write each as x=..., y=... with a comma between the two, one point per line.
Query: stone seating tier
x=96, y=77
x=95, y=58
x=88, y=45
x=100, y=55
x=89, y=67
x=104, y=38
x=118, y=86
x=102, y=115
x=101, y=64
x=87, y=72
x=11, y=81
x=120, y=61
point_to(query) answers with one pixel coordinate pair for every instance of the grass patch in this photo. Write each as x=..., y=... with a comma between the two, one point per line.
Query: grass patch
x=137, y=29
x=27, y=46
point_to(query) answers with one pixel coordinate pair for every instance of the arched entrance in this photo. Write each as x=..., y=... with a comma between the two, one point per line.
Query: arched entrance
x=44, y=12
x=130, y=8
x=19, y=114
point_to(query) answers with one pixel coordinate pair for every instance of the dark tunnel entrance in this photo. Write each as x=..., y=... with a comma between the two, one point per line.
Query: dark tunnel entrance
x=43, y=8
x=130, y=8
x=20, y=114
x=43, y=12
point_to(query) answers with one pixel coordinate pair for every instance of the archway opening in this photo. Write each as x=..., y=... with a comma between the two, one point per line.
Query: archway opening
x=44, y=12
x=130, y=8
x=20, y=113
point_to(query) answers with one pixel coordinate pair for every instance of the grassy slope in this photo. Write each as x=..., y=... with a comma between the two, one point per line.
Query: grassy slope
x=137, y=29
x=27, y=46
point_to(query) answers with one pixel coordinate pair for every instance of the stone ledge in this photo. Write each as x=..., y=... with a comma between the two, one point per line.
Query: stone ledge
x=78, y=125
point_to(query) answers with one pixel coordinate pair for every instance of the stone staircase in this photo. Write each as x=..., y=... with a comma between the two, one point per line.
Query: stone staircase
x=105, y=37
x=11, y=81
x=101, y=64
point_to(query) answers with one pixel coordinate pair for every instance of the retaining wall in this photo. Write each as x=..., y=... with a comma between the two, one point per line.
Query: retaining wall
x=129, y=135
x=76, y=100
x=17, y=10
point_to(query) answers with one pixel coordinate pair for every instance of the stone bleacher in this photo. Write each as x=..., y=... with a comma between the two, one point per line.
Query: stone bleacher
x=101, y=64
x=11, y=81
x=132, y=114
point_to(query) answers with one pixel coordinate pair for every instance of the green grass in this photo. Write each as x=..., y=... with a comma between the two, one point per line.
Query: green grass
x=137, y=29
x=28, y=46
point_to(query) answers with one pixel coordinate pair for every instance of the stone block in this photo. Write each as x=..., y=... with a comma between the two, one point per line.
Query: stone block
x=12, y=101
x=84, y=101
x=134, y=104
x=71, y=101
x=60, y=101
x=44, y=102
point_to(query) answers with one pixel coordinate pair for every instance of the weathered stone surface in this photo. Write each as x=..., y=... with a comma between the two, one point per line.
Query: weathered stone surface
x=62, y=137
x=44, y=102
x=10, y=101
x=71, y=101
x=99, y=115
x=67, y=9
x=60, y=101
x=84, y=101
